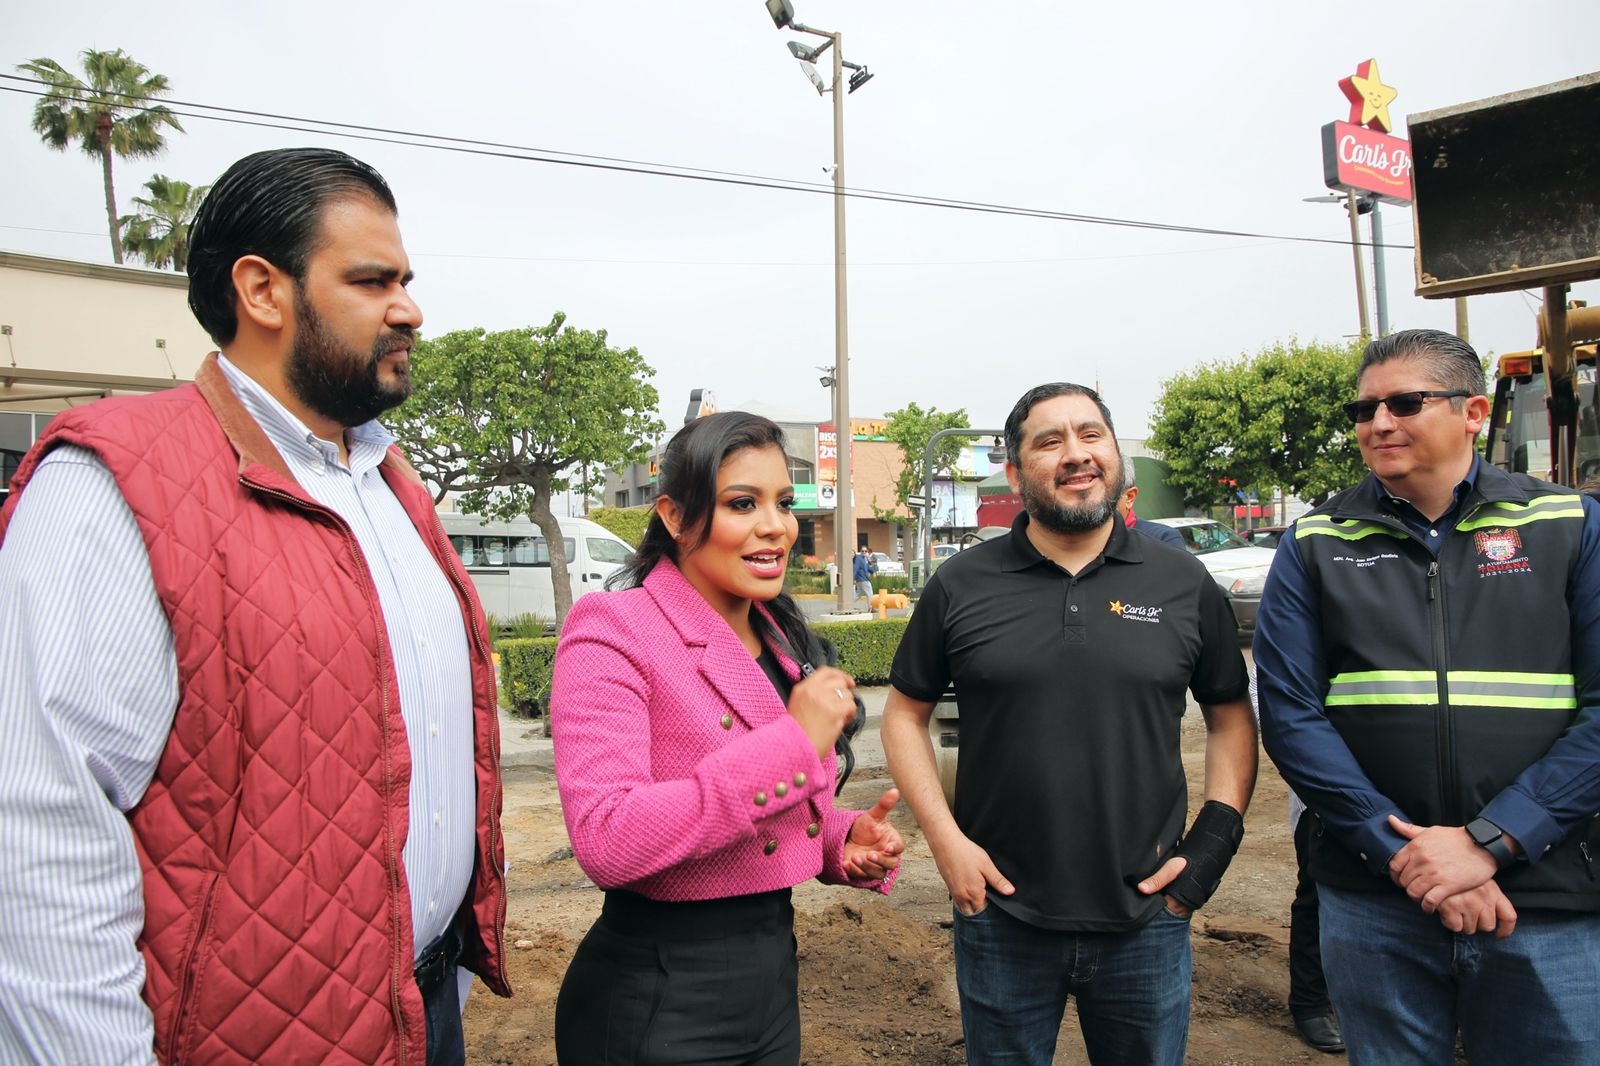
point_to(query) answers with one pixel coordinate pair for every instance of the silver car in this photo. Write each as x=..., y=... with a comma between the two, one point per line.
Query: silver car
x=1239, y=567
x=888, y=567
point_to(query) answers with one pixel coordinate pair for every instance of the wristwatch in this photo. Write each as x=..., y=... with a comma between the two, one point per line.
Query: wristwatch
x=1490, y=838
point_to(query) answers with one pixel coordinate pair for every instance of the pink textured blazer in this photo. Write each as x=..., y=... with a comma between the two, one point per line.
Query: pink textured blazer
x=682, y=777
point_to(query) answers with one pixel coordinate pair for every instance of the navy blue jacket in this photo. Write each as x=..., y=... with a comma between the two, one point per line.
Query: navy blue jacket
x=1545, y=802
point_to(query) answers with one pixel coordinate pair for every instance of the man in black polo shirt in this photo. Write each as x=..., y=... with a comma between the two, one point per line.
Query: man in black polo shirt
x=1070, y=644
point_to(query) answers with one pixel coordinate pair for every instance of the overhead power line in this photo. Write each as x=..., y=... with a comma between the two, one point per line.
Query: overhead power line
x=523, y=153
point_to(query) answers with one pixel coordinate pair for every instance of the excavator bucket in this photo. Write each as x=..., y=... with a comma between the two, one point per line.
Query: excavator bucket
x=1507, y=191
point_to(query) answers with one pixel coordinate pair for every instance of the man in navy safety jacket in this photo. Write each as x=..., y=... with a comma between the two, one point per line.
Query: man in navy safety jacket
x=1428, y=655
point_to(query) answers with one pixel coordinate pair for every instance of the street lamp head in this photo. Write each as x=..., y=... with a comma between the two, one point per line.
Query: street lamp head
x=811, y=74
x=859, y=78
x=1364, y=202
x=804, y=53
x=782, y=12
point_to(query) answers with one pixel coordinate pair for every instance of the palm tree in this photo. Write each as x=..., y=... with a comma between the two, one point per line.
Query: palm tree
x=111, y=113
x=158, y=232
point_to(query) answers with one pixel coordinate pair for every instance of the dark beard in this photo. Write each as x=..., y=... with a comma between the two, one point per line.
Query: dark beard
x=333, y=380
x=1066, y=519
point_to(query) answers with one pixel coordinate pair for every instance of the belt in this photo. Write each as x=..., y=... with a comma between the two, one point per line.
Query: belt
x=438, y=962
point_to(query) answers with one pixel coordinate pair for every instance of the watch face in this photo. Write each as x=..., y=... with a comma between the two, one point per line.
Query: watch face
x=1483, y=832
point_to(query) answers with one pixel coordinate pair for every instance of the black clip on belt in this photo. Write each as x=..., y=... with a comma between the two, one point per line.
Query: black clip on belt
x=436, y=962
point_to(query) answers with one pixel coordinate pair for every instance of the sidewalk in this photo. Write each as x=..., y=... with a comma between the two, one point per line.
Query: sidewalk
x=523, y=743
x=815, y=605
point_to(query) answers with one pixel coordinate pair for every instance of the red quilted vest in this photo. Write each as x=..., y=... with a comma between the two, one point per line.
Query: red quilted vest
x=277, y=917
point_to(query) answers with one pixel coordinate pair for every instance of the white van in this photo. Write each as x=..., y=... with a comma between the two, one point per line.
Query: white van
x=509, y=562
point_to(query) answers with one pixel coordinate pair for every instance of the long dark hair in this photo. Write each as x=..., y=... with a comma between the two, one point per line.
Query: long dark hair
x=688, y=474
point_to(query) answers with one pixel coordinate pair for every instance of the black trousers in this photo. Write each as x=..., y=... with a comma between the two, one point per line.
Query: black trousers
x=1308, y=990
x=709, y=983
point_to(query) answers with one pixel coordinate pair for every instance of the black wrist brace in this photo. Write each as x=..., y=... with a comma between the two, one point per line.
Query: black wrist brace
x=1209, y=847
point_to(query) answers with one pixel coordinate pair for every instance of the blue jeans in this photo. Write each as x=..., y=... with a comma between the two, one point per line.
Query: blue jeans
x=447, y=1042
x=1402, y=983
x=1014, y=978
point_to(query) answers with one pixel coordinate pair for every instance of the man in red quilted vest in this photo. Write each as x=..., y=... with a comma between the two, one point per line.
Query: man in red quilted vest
x=251, y=784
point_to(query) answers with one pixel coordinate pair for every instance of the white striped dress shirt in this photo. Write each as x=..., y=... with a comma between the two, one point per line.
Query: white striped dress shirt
x=88, y=689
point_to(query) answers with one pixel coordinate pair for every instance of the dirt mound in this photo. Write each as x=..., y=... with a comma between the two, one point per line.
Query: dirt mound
x=876, y=986
x=521, y=1031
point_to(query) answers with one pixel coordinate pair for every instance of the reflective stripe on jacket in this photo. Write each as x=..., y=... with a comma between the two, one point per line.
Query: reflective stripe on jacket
x=1450, y=675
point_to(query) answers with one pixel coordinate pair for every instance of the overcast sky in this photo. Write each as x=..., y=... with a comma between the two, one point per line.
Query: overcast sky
x=1192, y=114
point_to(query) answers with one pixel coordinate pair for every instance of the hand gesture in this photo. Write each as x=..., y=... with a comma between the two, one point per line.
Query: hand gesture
x=969, y=872
x=1163, y=877
x=874, y=846
x=1440, y=861
x=823, y=705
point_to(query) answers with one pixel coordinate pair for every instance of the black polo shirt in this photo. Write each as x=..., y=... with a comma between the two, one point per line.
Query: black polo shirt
x=1071, y=689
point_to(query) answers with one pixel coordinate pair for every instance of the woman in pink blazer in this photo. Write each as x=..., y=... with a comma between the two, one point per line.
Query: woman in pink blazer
x=695, y=719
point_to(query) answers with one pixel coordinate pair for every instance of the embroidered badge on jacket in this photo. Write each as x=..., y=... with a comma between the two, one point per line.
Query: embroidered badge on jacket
x=1503, y=549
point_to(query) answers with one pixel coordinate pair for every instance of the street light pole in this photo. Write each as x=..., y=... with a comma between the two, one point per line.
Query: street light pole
x=844, y=511
x=844, y=516
x=1380, y=274
x=1357, y=206
x=1354, y=206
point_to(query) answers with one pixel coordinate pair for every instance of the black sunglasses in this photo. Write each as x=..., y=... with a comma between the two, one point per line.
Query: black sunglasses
x=1401, y=404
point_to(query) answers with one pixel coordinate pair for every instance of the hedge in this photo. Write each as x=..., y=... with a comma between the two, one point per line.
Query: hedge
x=866, y=651
x=626, y=522
x=525, y=667
x=796, y=580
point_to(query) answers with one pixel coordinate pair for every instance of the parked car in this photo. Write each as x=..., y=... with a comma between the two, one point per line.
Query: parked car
x=509, y=562
x=1265, y=536
x=1238, y=566
x=944, y=551
x=983, y=533
x=888, y=567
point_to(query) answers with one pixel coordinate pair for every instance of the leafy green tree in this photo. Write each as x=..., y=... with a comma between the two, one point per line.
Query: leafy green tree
x=508, y=418
x=110, y=113
x=1262, y=422
x=158, y=232
x=911, y=428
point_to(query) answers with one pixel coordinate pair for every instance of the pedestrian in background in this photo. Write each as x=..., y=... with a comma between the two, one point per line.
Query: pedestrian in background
x=1130, y=517
x=1309, y=1005
x=861, y=570
x=695, y=719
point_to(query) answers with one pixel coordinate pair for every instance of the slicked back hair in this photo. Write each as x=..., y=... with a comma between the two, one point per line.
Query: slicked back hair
x=1442, y=357
x=1037, y=395
x=268, y=204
